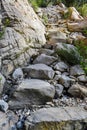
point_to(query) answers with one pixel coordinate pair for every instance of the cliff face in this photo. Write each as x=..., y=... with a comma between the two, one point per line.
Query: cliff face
x=21, y=32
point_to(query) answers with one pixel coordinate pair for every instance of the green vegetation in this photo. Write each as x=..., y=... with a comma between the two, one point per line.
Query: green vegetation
x=70, y=57
x=6, y=23
x=45, y=19
x=75, y=3
x=44, y=3
x=82, y=48
x=83, y=10
x=69, y=54
x=2, y=33
x=39, y=3
x=0, y=80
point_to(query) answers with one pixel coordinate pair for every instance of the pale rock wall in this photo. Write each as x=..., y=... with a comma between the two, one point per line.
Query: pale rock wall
x=22, y=32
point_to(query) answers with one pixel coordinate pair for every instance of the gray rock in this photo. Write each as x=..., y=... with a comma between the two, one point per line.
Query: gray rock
x=66, y=118
x=45, y=59
x=40, y=71
x=59, y=90
x=66, y=81
x=61, y=66
x=7, y=120
x=76, y=70
x=82, y=78
x=18, y=74
x=46, y=51
x=55, y=35
x=32, y=91
x=65, y=73
x=2, y=82
x=57, y=77
x=0, y=63
x=78, y=90
x=68, y=53
x=3, y=106
x=58, y=72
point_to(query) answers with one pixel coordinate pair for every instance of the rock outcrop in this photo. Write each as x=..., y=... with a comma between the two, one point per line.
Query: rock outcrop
x=21, y=30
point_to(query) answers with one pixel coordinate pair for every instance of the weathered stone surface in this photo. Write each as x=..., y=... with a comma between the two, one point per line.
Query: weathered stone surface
x=55, y=35
x=53, y=13
x=76, y=36
x=18, y=74
x=46, y=51
x=76, y=70
x=5, y=118
x=40, y=71
x=59, y=90
x=82, y=78
x=22, y=29
x=78, y=90
x=61, y=66
x=66, y=81
x=77, y=26
x=2, y=82
x=3, y=106
x=45, y=59
x=67, y=118
x=68, y=53
x=32, y=91
x=74, y=14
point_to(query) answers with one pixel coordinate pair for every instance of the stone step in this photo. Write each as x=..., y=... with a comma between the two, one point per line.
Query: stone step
x=63, y=118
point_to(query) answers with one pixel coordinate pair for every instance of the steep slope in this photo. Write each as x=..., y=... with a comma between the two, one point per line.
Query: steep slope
x=20, y=31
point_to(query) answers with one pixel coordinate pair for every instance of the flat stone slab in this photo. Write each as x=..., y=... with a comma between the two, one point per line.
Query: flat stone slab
x=58, y=118
x=39, y=71
x=32, y=91
x=45, y=59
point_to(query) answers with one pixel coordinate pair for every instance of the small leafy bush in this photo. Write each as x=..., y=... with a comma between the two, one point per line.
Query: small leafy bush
x=75, y=3
x=2, y=33
x=83, y=10
x=82, y=48
x=44, y=3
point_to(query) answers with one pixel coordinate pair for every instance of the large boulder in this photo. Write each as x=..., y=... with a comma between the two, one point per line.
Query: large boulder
x=68, y=53
x=32, y=92
x=66, y=118
x=21, y=28
x=39, y=71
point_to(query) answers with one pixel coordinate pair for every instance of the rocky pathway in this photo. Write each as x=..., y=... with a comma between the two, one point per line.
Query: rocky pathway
x=50, y=92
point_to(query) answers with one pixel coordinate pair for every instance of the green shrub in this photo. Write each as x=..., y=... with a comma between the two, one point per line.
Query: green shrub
x=2, y=33
x=82, y=48
x=39, y=3
x=68, y=53
x=76, y=3
x=83, y=10
x=44, y=3
x=45, y=19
